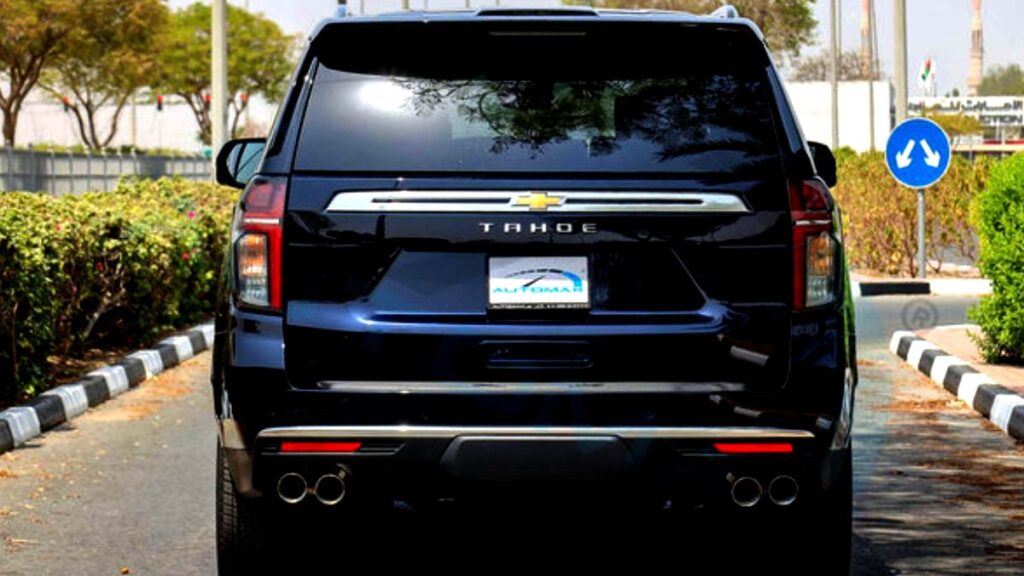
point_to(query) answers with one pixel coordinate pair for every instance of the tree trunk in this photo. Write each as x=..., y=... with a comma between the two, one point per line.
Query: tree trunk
x=10, y=124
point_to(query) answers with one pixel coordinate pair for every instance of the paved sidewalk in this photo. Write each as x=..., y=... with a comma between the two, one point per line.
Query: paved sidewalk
x=957, y=341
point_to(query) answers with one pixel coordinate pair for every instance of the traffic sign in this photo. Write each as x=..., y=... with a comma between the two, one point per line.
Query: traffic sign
x=917, y=153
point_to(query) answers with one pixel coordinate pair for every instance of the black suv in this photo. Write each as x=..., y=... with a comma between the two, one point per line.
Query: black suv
x=555, y=254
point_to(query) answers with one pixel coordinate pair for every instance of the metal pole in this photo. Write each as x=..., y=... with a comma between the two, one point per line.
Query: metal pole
x=871, y=74
x=833, y=76
x=10, y=167
x=134, y=123
x=219, y=84
x=53, y=172
x=922, y=259
x=900, y=19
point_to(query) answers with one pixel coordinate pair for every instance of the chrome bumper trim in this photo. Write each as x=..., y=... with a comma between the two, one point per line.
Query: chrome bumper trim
x=526, y=388
x=451, y=432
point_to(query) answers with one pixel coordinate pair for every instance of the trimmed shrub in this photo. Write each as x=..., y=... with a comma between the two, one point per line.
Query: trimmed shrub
x=880, y=216
x=998, y=214
x=111, y=268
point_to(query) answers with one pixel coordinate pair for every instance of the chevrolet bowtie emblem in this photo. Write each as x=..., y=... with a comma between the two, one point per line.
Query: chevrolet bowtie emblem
x=539, y=201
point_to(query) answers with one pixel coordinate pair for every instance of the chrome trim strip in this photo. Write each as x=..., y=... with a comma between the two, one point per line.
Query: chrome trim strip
x=527, y=202
x=267, y=221
x=813, y=222
x=497, y=388
x=450, y=432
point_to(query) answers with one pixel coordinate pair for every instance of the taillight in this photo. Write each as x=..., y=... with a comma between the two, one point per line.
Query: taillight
x=814, y=245
x=257, y=242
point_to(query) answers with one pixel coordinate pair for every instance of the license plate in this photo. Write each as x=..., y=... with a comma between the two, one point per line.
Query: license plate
x=553, y=282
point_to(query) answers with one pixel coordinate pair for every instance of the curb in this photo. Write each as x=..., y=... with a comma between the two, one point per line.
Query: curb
x=936, y=287
x=52, y=408
x=1001, y=406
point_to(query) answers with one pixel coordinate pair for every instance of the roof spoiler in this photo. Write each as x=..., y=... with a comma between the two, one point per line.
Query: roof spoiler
x=725, y=11
x=527, y=12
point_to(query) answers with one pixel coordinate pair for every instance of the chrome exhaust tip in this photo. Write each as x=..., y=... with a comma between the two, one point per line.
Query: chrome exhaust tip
x=783, y=490
x=330, y=489
x=746, y=492
x=292, y=488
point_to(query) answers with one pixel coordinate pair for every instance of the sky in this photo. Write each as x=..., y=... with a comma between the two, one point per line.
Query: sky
x=939, y=29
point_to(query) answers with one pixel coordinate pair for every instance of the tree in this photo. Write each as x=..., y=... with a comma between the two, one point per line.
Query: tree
x=788, y=25
x=817, y=68
x=957, y=124
x=32, y=33
x=112, y=53
x=259, y=61
x=1003, y=81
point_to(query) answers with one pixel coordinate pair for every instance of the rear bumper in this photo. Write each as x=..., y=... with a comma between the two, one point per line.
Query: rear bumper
x=431, y=463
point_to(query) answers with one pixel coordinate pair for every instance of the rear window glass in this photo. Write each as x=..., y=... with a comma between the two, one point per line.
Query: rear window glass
x=541, y=98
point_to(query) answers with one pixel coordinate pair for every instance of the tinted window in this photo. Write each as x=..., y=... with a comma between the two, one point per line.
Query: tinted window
x=579, y=98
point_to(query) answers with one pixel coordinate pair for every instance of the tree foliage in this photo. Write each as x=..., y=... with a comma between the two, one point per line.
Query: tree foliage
x=260, y=57
x=957, y=124
x=1003, y=81
x=818, y=67
x=788, y=25
x=112, y=53
x=32, y=33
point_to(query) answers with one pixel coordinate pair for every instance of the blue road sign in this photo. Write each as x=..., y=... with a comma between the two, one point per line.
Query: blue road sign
x=917, y=153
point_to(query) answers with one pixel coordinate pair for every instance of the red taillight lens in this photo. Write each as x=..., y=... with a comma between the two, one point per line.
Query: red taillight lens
x=257, y=240
x=814, y=246
x=754, y=448
x=321, y=447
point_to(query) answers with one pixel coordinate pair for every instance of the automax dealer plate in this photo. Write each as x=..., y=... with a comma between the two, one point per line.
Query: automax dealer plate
x=554, y=282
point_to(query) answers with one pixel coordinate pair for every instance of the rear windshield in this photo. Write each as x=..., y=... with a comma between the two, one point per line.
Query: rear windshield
x=539, y=98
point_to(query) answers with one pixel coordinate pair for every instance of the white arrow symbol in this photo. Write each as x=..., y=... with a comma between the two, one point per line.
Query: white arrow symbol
x=931, y=158
x=903, y=158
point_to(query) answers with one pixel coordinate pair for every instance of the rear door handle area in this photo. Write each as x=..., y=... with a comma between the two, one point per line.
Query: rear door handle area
x=536, y=355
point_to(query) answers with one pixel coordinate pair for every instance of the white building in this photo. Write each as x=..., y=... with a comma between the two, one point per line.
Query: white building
x=812, y=102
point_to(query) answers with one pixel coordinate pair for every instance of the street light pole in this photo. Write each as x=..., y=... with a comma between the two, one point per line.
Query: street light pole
x=900, y=19
x=219, y=73
x=833, y=76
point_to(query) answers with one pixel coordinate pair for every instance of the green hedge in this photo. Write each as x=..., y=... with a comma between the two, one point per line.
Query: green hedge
x=998, y=214
x=105, y=268
x=880, y=216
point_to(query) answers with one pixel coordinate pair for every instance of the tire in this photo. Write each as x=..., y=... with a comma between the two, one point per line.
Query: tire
x=831, y=529
x=243, y=527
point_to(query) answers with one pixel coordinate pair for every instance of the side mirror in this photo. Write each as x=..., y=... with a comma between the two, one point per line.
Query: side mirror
x=238, y=160
x=824, y=163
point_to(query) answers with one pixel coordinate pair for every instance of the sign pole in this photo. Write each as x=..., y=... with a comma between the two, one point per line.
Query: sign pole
x=922, y=259
x=918, y=155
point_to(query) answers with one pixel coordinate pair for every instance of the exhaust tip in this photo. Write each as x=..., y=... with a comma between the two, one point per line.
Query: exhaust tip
x=746, y=492
x=783, y=490
x=330, y=489
x=292, y=488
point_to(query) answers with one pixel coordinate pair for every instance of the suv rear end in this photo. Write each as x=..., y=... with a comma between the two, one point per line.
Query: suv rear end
x=549, y=254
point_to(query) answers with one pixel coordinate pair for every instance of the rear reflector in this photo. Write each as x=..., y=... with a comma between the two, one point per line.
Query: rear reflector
x=321, y=447
x=755, y=448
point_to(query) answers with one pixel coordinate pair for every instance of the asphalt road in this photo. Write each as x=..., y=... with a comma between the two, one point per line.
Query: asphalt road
x=130, y=485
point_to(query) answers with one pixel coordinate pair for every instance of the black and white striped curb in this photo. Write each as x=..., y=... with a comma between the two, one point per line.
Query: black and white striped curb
x=1002, y=406
x=54, y=407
